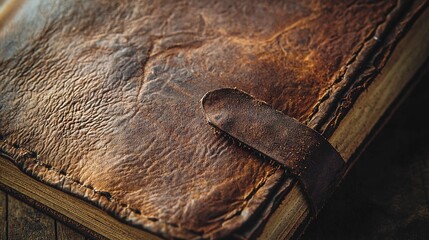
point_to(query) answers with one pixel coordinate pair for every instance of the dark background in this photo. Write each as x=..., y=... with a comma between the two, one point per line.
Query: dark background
x=386, y=194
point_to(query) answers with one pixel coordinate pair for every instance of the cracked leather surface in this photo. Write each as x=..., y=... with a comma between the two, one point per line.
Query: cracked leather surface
x=101, y=98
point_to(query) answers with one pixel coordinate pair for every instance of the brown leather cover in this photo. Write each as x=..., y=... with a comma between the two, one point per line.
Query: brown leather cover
x=101, y=98
x=276, y=137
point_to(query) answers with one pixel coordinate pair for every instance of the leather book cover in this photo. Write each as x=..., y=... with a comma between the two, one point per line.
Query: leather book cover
x=102, y=99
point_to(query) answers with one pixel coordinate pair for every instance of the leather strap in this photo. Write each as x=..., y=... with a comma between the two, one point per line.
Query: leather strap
x=298, y=148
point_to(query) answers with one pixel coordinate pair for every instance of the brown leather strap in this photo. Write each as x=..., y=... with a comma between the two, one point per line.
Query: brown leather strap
x=300, y=149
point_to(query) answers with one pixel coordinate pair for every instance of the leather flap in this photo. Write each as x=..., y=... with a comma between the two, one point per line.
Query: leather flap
x=272, y=134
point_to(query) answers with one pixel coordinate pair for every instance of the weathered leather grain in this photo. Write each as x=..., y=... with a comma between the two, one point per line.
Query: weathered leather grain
x=101, y=98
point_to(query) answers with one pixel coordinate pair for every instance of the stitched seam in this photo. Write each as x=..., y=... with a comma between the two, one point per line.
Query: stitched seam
x=32, y=155
x=351, y=61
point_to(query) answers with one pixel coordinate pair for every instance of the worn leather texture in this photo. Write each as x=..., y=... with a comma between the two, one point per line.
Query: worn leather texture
x=101, y=98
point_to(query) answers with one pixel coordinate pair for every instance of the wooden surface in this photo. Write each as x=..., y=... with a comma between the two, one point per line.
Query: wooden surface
x=3, y=215
x=21, y=221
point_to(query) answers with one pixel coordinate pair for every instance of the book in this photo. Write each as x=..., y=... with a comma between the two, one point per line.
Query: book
x=101, y=120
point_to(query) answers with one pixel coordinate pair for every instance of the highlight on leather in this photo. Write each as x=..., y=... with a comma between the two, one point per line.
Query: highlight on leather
x=298, y=148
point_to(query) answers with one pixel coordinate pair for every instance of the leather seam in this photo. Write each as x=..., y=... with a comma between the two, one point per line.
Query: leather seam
x=340, y=78
x=32, y=155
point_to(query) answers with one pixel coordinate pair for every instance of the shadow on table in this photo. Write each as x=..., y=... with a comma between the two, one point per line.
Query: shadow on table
x=386, y=194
